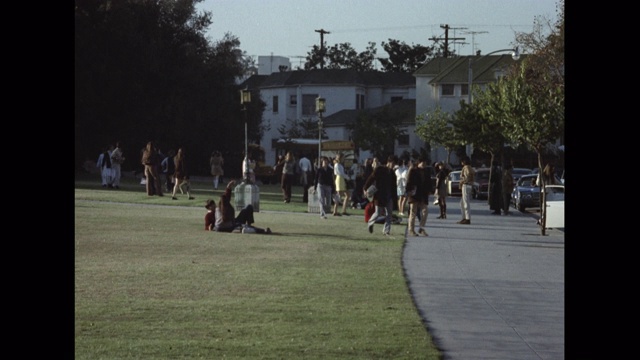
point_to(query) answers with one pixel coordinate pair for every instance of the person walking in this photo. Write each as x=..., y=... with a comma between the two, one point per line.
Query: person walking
x=507, y=188
x=168, y=169
x=467, y=178
x=418, y=189
x=105, y=165
x=325, y=185
x=401, y=171
x=441, y=189
x=181, y=175
x=117, y=159
x=495, y=189
x=150, y=160
x=216, y=161
x=288, y=174
x=306, y=176
x=340, y=179
x=384, y=180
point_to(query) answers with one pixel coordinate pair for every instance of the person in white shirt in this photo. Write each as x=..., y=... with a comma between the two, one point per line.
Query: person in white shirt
x=117, y=159
x=306, y=176
x=401, y=184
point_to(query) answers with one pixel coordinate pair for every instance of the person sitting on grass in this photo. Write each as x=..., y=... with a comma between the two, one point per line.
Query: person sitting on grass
x=210, y=218
x=226, y=221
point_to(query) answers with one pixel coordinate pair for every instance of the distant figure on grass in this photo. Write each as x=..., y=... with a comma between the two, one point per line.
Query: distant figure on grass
x=216, y=161
x=117, y=158
x=151, y=161
x=181, y=175
x=104, y=164
x=226, y=221
x=168, y=169
x=340, y=178
x=325, y=185
x=384, y=179
x=288, y=174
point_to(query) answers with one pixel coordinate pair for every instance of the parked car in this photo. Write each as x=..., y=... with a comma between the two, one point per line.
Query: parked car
x=518, y=172
x=453, y=185
x=526, y=192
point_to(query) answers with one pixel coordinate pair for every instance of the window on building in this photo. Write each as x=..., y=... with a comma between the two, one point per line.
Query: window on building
x=275, y=104
x=464, y=89
x=309, y=104
x=403, y=140
x=359, y=101
x=395, y=99
x=447, y=89
x=293, y=100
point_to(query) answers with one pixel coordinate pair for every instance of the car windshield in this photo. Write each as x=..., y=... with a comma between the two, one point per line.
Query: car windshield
x=455, y=176
x=526, y=181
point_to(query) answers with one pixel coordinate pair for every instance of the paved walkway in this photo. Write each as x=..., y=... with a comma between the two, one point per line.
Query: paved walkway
x=493, y=289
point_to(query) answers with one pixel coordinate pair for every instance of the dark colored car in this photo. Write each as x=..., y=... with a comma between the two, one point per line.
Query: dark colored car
x=526, y=193
x=518, y=172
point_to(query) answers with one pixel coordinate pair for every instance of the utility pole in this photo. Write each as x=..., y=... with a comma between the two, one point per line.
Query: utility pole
x=446, y=39
x=322, y=32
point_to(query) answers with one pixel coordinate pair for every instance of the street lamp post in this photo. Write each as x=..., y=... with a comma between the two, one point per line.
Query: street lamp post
x=320, y=108
x=515, y=55
x=245, y=98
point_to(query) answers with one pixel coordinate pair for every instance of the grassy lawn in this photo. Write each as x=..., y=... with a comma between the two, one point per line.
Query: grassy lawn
x=150, y=283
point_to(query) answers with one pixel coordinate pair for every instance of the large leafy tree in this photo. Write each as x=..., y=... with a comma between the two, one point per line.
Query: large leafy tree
x=436, y=128
x=144, y=70
x=341, y=56
x=377, y=131
x=528, y=103
x=403, y=57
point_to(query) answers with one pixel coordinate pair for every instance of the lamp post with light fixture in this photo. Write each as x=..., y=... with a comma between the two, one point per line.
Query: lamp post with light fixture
x=320, y=108
x=245, y=98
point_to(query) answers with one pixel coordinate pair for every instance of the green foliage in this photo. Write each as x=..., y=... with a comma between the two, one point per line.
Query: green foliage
x=145, y=71
x=404, y=58
x=341, y=56
x=436, y=128
x=377, y=131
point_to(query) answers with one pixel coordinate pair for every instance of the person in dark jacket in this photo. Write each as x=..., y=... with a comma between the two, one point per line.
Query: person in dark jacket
x=325, y=185
x=496, y=200
x=419, y=185
x=384, y=179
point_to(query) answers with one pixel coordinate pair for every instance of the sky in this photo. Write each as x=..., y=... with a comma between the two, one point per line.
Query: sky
x=288, y=27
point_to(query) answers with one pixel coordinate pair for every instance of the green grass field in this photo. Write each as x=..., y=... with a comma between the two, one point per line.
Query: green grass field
x=151, y=283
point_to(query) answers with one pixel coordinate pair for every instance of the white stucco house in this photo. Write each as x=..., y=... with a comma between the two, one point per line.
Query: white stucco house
x=292, y=95
x=440, y=82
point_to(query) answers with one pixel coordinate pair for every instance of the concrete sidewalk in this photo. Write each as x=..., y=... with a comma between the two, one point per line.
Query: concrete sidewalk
x=493, y=289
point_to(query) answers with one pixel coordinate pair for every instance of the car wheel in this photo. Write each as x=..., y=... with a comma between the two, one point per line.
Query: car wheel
x=520, y=207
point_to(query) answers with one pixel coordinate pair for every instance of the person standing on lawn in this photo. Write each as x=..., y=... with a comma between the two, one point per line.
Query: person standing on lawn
x=181, y=176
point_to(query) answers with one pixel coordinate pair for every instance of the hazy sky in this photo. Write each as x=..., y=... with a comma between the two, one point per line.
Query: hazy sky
x=287, y=27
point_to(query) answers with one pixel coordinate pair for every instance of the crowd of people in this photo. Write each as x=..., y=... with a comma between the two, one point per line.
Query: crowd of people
x=378, y=188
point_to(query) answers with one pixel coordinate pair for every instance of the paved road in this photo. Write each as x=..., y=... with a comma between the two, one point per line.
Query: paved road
x=493, y=289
